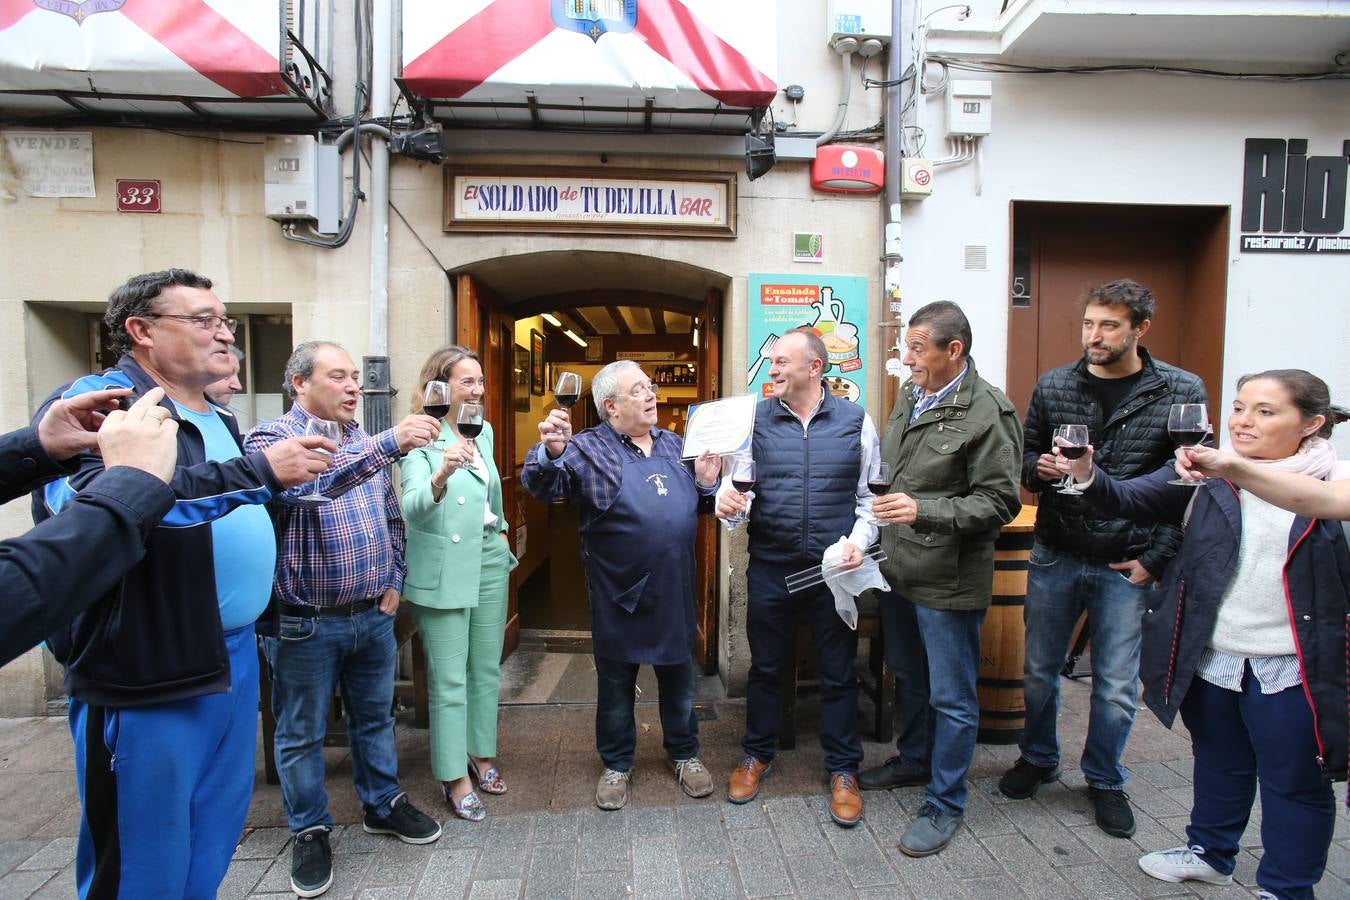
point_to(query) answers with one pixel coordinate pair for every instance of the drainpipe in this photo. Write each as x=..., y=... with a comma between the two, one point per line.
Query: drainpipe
x=889, y=316
x=377, y=392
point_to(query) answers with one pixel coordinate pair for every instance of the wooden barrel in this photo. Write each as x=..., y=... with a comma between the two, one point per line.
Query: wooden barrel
x=1003, y=711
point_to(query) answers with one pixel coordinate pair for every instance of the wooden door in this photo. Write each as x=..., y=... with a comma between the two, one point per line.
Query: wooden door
x=1061, y=249
x=485, y=328
x=705, y=581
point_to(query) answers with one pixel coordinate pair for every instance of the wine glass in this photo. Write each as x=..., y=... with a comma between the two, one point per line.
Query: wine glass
x=328, y=429
x=1188, y=424
x=1072, y=441
x=568, y=390
x=743, y=480
x=436, y=399
x=879, y=482
x=469, y=421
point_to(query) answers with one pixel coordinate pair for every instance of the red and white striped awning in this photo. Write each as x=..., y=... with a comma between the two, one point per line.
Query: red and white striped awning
x=151, y=56
x=671, y=56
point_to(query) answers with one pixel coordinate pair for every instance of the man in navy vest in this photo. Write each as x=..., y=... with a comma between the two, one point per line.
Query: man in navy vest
x=812, y=453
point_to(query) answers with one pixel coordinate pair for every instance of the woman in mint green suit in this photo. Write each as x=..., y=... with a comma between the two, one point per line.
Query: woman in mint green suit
x=458, y=565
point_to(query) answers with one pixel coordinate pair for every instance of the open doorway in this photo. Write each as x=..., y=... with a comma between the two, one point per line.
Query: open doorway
x=533, y=315
x=1061, y=249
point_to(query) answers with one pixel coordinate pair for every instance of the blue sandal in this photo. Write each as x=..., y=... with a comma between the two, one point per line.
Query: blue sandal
x=490, y=781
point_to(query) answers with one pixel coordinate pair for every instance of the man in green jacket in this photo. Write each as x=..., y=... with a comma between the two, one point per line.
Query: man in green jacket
x=954, y=444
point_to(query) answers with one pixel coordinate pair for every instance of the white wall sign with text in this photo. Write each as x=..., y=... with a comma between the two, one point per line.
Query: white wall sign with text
x=53, y=163
x=603, y=200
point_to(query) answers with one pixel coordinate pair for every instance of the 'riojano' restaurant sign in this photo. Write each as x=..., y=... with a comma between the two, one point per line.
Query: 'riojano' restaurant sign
x=592, y=200
x=1293, y=202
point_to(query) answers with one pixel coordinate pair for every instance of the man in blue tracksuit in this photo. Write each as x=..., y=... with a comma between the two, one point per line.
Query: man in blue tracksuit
x=162, y=671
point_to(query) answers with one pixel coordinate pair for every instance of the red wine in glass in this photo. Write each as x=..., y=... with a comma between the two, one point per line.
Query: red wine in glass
x=567, y=401
x=436, y=410
x=1189, y=438
x=879, y=487
x=744, y=485
x=471, y=430
x=1072, y=451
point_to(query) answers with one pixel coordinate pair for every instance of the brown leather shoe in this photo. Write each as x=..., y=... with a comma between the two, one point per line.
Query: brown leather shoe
x=845, y=800
x=744, y=782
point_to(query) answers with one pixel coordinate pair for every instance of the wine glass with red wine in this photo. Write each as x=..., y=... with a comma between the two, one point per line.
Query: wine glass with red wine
x=1188, y=425
x=568, y=390
x=879, y=482
x=469, y=421
x=743, y=480
x=436, y=399
x=1072, y=441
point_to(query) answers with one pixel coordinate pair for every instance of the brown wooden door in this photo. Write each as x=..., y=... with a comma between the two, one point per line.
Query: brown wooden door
x=705, y=581
x=1178, y=253
x=485, y=328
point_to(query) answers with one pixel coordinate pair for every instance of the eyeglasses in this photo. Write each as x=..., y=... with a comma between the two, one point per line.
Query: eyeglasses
x=206, y=323
x=638, y=390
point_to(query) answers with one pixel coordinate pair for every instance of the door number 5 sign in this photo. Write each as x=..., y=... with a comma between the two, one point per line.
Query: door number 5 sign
x=137, y=196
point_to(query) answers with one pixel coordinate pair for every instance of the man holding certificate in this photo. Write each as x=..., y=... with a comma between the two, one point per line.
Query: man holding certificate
x=638, y=504
x=813, y=452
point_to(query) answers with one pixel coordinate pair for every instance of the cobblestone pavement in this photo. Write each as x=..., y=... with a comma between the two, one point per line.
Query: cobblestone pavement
x=779, y=846
x=546, y=839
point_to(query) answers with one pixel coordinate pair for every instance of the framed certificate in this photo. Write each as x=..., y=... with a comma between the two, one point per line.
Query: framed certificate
x=721, y=426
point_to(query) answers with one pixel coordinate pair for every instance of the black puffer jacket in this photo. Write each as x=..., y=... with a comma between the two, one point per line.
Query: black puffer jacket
x=1133, y=442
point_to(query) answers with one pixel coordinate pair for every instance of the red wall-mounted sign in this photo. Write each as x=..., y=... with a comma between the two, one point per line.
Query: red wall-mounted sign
x=137, y=196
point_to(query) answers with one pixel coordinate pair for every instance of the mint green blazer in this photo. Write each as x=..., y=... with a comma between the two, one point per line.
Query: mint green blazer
x=445, y=540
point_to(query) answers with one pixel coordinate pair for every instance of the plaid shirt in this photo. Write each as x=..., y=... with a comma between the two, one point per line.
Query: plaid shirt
x=335, y=554
x=590, y=470
x=924, y=402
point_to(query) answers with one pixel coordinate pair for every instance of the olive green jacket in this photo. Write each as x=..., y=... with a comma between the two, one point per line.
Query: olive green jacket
x=960, y=461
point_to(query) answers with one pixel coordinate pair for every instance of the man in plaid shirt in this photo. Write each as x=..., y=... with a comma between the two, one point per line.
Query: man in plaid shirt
x=339, y=574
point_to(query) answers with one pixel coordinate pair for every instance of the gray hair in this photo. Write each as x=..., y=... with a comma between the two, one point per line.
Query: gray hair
x=302, y=363
x=605, y=383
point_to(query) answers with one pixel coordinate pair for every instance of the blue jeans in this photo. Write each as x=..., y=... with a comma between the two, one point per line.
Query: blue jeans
x=1059, y=588
x=615, y=729
x=935, y=656
x=308, y=658
x=1250, y=739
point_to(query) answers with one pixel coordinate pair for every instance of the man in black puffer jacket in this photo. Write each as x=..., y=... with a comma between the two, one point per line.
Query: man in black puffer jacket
x=1084, y=561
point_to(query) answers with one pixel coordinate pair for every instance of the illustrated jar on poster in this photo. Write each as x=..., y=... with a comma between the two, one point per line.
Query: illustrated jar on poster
x=840, y=337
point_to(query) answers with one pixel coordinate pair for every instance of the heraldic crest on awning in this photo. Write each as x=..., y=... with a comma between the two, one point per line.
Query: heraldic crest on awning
x=627, y=64
x=209, y=60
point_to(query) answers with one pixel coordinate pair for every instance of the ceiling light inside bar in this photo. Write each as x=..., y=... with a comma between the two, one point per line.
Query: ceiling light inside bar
x=573, y=335
x=553, y=320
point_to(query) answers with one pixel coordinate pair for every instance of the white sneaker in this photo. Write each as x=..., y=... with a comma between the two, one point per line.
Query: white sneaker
x=1182, y=864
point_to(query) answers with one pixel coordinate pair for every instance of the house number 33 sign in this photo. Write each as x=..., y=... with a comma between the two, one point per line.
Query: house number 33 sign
x=137, y=196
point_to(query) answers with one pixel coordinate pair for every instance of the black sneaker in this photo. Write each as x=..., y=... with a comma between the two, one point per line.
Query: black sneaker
x=405, y=822
x=1114, y=815
x=311, y=862
x=891, y=774
x=1023, y=780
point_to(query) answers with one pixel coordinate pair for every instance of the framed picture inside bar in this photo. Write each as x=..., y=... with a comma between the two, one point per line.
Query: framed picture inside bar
x=520, y=380
x=536, y=363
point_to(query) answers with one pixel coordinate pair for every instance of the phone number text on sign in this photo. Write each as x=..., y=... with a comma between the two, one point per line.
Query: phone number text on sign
x=138, y=196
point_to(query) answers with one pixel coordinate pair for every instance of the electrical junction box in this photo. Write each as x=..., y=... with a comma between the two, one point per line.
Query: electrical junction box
x=916, y=178
x=302, y=180
x=858, y=18
x=969, y=108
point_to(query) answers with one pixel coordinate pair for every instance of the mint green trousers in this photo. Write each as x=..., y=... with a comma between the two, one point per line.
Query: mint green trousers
x=464, y=673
